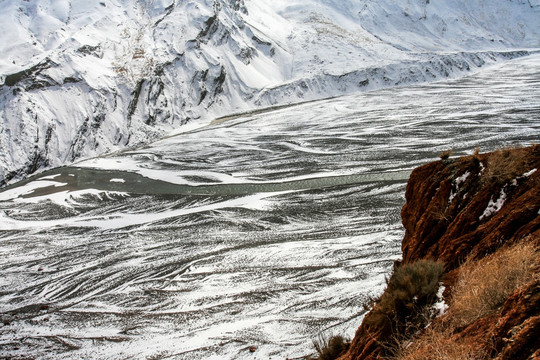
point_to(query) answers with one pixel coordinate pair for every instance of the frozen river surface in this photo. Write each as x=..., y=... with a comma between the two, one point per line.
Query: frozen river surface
x=259, y=231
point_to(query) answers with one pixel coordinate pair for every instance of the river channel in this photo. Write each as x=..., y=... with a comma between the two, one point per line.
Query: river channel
x=255, y=233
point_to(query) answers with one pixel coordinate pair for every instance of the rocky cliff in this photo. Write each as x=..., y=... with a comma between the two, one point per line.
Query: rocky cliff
x=465, y=212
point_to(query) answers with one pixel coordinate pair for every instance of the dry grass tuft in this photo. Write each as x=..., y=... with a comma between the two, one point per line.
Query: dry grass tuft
x=437, y=344
x=445, y=154
x=484, y=285
x=505, y=165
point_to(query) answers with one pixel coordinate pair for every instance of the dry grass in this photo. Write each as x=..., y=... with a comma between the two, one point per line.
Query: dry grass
x=505, y=165
x=484, y=285
x=445, y=154
x=437, y=344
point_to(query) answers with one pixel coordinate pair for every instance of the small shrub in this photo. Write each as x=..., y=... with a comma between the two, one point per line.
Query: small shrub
x=484, y=285
x=330, y=348
x=475, y=158
x=411, y=290
x=445, y=154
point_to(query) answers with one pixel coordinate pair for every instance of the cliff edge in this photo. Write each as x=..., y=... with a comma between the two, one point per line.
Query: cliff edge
x=478, y=217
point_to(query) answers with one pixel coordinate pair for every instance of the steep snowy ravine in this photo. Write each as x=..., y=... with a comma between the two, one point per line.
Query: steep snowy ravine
x=83, y=78
x=259, y=231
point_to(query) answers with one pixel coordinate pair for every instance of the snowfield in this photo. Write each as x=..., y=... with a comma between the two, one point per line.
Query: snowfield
x=79, y=79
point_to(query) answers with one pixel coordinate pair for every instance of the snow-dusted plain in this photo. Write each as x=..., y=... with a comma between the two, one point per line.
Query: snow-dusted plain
x=194, y=222
x=258, y=230
x=83, y=78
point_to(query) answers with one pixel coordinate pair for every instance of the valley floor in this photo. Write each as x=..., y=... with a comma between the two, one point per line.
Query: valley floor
x=260, y=231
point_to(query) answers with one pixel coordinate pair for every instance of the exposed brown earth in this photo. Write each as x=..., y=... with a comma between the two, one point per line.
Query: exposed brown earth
x=466, y=209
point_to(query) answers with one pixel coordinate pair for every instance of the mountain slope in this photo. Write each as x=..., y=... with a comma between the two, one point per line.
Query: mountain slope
x=80, y=79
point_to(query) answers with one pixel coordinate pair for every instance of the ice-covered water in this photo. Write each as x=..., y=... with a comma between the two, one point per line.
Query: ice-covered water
x=261, y=230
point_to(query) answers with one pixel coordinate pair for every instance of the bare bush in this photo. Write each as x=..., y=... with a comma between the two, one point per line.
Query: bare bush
x=330, y=347
x=402, y=308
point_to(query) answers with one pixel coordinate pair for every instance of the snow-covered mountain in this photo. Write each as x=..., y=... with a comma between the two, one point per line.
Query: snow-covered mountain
x=81, y=78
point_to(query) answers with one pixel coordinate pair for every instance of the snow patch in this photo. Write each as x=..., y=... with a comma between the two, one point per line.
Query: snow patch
x=28, y=189
x=440, y=307
x=69, y=199
x=123, y=220
x=460, y=180
x=494, y=206
x=49, y=177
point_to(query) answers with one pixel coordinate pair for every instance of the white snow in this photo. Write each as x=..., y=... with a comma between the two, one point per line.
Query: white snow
x=93, y=54
x=67, y=198
x=459, y=180
x=494, y=206
x=123, y=220
x=440, y=306
x=27, y=189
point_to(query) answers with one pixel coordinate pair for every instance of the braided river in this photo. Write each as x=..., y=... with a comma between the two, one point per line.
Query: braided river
x=242, y=239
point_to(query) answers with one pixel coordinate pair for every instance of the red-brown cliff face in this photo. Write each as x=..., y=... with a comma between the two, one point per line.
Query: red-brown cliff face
x=472, y=205
x=468, y=208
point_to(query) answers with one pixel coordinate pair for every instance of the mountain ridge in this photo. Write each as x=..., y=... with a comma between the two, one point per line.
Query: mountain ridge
x=79, y=80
